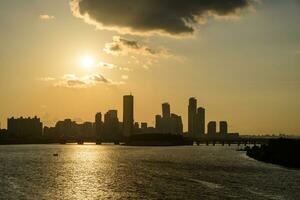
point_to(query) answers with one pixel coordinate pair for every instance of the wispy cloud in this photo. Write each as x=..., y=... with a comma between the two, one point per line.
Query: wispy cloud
x=46, y=79
x=124, y=77
x=73, y=81
x=47, y=17
x=124, y=46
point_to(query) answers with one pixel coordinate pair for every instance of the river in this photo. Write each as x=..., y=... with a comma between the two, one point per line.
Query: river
x=123, y=172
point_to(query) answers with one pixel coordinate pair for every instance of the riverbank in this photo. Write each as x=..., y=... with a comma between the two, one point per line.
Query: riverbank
x=284, y=152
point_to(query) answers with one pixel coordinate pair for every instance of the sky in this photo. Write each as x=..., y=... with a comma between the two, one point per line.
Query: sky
x=70, y=59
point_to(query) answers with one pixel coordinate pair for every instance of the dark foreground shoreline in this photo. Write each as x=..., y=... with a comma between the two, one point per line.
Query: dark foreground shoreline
x=284, y=152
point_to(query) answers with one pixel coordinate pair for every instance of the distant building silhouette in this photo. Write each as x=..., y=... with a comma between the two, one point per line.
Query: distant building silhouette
x=112, y=130
x=212, y=128
x=223, y=127
x=192, y=109
x=168, y=123
x=136, y=128
x=112, y=126
x=176, y=124
x=98, y=124
x=25, y=127
x=166, y=117
x=67, y=129
x=158, y=123
x=128, y=115
x=144, y=125
x=200, y=122
x=166, y=111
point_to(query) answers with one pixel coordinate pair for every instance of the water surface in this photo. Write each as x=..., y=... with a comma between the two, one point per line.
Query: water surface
x=121, y=172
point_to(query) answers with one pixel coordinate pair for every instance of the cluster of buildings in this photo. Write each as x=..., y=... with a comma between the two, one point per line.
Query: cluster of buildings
x=25, y=127
x=108, y=128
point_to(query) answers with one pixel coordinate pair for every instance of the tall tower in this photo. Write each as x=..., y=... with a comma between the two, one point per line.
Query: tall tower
x=211, y=128
x=200, y=122
x=127, y=115
x=98, y=124
x=223, y=127
x=166, y=111
x=191, y=116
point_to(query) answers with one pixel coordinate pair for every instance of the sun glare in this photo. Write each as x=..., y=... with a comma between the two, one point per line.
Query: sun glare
x=87, y=62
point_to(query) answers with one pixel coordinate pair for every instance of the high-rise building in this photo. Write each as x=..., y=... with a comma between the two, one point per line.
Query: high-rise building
x=166, y=116
x=111, y=126
x=98, y=124
x=158, y=123
x=200, y=122
x=223, y=127
x=176, y=126
x=192, y=116
x=127, y=115
x=166, y=111
x=212, y=128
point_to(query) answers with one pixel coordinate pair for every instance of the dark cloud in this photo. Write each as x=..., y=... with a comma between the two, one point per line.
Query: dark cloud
x=99, y=78
x=172, y=17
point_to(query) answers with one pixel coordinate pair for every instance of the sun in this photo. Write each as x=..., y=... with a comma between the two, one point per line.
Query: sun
x=87, y=61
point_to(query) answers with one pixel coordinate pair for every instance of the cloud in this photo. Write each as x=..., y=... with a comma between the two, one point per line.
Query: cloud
x=107, y=65
x=125, y=77
x=47, y=17
x=123, y=46
x=146, y=17
x=73, y=81
x=46, y=79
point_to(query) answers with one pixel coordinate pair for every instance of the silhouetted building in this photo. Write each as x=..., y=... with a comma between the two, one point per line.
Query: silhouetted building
x=136, y=128
x=98, y=124
x=25, y=127
x=192, y=116
x=176, y=124
x=168, y=123
x=111, y=129
x=223, y=127
x=212, y=128
x=200, y=122
x=144, y=125
x=166, y=111
x=158, y=123
x=166, y=118
x=127, y=115
x=86, y=130
x=67, y=129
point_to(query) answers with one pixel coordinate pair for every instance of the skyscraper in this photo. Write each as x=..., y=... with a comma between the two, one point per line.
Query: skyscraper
x=200, y=122
x=158, y=123
x=191, y=116
x=98, y=124
x=111, y=126
x=166, y=111
x=223, y=127
x=127, y=115
x=212, y=128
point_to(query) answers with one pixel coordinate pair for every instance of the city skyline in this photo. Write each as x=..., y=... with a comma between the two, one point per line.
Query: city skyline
x=241, y=62
x=166, y=122
x=109, y=129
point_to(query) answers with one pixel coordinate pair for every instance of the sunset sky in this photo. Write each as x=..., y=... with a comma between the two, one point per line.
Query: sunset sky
x=70, y=59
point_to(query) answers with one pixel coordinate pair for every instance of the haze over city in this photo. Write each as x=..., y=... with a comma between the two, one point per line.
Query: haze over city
x=69, y=59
